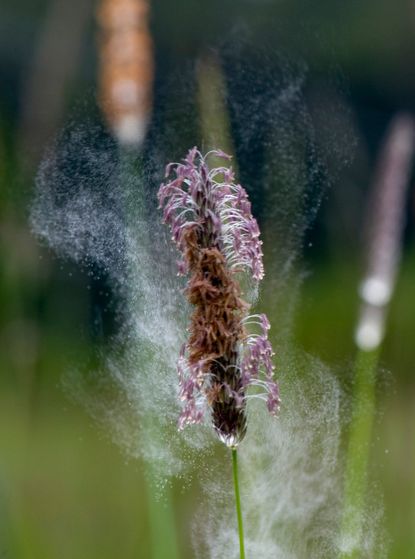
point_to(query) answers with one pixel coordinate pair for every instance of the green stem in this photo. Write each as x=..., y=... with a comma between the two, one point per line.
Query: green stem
x=161, y=511
x=360, y=435
x=238, y=503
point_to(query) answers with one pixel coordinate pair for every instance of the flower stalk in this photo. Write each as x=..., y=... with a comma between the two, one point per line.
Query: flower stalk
x=385, y=224
x=238, y=503
x=228, y=351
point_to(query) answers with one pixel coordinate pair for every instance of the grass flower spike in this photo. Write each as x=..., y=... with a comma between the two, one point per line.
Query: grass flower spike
x=228, y=350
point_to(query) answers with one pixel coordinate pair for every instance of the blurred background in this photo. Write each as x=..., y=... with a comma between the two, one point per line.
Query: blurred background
x=65, y=490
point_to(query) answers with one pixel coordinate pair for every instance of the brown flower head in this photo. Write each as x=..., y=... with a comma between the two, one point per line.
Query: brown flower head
x=212, y=225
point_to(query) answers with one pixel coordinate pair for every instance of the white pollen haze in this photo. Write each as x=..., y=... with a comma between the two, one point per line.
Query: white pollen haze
x=92, y=207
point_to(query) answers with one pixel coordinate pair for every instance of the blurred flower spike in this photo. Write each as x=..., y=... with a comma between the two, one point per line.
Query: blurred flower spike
x=228, y=350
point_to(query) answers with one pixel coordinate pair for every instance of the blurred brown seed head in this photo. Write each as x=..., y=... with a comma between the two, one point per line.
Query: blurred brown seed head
x=126, y=68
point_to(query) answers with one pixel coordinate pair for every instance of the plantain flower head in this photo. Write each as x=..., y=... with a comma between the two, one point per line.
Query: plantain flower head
x=228, y=350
